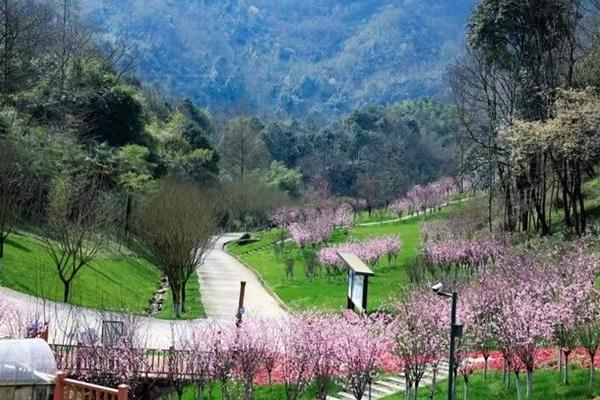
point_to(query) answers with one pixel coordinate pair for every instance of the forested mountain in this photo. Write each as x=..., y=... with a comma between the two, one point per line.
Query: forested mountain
x=293, y=58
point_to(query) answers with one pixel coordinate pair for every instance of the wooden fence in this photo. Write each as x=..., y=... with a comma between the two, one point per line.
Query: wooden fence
x=69, y=389
x=149, y=363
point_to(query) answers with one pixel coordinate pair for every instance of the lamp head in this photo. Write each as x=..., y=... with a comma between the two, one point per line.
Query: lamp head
x=437, y=287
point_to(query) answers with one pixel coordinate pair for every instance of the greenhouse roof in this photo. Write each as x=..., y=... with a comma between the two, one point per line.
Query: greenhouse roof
x=26, y=362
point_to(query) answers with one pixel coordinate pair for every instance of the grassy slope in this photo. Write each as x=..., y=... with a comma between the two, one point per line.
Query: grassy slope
x=275, y=392
x=547, y=385
x=330, y=293
x=114, y=281
x=194, y=308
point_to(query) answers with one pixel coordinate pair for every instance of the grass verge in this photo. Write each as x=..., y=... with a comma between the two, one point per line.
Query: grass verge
x=547, y=385
x=114, y=281
x=325, y=292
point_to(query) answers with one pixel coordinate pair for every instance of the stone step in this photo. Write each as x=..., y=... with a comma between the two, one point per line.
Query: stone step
x=391, y=384
x=378, y=387
x=345, y=395
x=396, y=379
x=395, y=384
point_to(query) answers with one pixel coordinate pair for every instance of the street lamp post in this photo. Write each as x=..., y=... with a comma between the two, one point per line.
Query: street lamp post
x=455, y=332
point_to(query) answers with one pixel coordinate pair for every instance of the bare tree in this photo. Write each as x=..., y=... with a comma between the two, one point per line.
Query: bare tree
x=178, y=226
x=74, y=231
x=24, y=26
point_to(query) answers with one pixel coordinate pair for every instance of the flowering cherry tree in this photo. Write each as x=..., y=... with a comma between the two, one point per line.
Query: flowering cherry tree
x=588, y=328
x=296, y=355
x=360, y=350
x=420, y=335
x=420, y=199
x=250, y=346
x=369, y=251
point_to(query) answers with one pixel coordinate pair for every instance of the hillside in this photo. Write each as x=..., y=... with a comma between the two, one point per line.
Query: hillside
x=323, y=57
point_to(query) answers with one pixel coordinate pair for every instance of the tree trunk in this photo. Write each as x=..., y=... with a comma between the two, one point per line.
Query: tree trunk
x=529, y=383
x=518, y=386
x=466, y=389
x=560, y=361
x=592, y=359
x=1, y=250
x=434, y=380
x=485, y=368
x=66, y=291
x=566, y=368
x=175, y=292
x=183, y=297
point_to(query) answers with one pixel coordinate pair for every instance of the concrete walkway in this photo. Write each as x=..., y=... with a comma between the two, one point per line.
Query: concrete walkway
x=18, y=309
x=220, y=278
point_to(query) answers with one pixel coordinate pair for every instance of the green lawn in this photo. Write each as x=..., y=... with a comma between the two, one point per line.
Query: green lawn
x=194, y=308
x=114, y=281
x=547, y=385
x=325, y=292
x=376, y=216
x=275, y=392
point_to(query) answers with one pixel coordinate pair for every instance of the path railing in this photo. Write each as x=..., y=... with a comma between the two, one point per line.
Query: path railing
x=148, y=363
x=69, y=389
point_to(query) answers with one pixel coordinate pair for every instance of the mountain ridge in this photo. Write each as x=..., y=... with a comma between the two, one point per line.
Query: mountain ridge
x=323, y=57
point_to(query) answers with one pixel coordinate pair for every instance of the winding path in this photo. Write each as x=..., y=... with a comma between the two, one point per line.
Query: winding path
x=219, y=280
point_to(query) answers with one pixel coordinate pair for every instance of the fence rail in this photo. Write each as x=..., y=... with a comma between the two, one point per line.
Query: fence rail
x=149, y=363
x=70, y=389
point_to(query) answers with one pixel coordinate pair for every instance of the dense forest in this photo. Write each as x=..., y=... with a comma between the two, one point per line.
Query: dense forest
x=72, y=110
x=317, y=57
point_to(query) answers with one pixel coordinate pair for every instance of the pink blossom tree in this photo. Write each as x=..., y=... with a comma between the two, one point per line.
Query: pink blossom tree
x=296, y=355
x=587, y=328
x=250, y=345
x=323, y=345
x=420, y=337
x=360, y=349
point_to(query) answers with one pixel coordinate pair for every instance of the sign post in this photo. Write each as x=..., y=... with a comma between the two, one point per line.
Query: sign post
x=358, y=281
x=240, y=310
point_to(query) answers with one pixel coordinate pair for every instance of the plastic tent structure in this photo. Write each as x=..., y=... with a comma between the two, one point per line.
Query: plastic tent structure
x=27, y=370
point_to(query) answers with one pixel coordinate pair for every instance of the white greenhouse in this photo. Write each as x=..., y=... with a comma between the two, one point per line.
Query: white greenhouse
x=27, y=370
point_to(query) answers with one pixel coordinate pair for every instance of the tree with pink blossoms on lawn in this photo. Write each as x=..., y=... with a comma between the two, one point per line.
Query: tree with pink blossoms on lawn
x=363, y=345
x=296, y=355
x=250, y=345
x=588, y=328
x=200, y=345
x=420, y=334
x=323, y=345
x=369, y=251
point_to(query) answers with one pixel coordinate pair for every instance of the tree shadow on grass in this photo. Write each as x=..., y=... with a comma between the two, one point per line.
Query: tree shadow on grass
x=17, y=246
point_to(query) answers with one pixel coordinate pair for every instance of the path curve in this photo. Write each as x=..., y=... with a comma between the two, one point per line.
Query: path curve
x=220, y=278
x=18, y=309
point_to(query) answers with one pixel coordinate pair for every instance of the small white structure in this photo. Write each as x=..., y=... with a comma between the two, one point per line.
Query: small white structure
x=27, y=370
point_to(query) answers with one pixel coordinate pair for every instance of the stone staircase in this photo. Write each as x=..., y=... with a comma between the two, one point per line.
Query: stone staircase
x=394, y=384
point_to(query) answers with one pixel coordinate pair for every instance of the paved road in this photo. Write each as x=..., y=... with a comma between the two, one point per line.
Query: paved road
x=219, y=280
x=18, y=309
